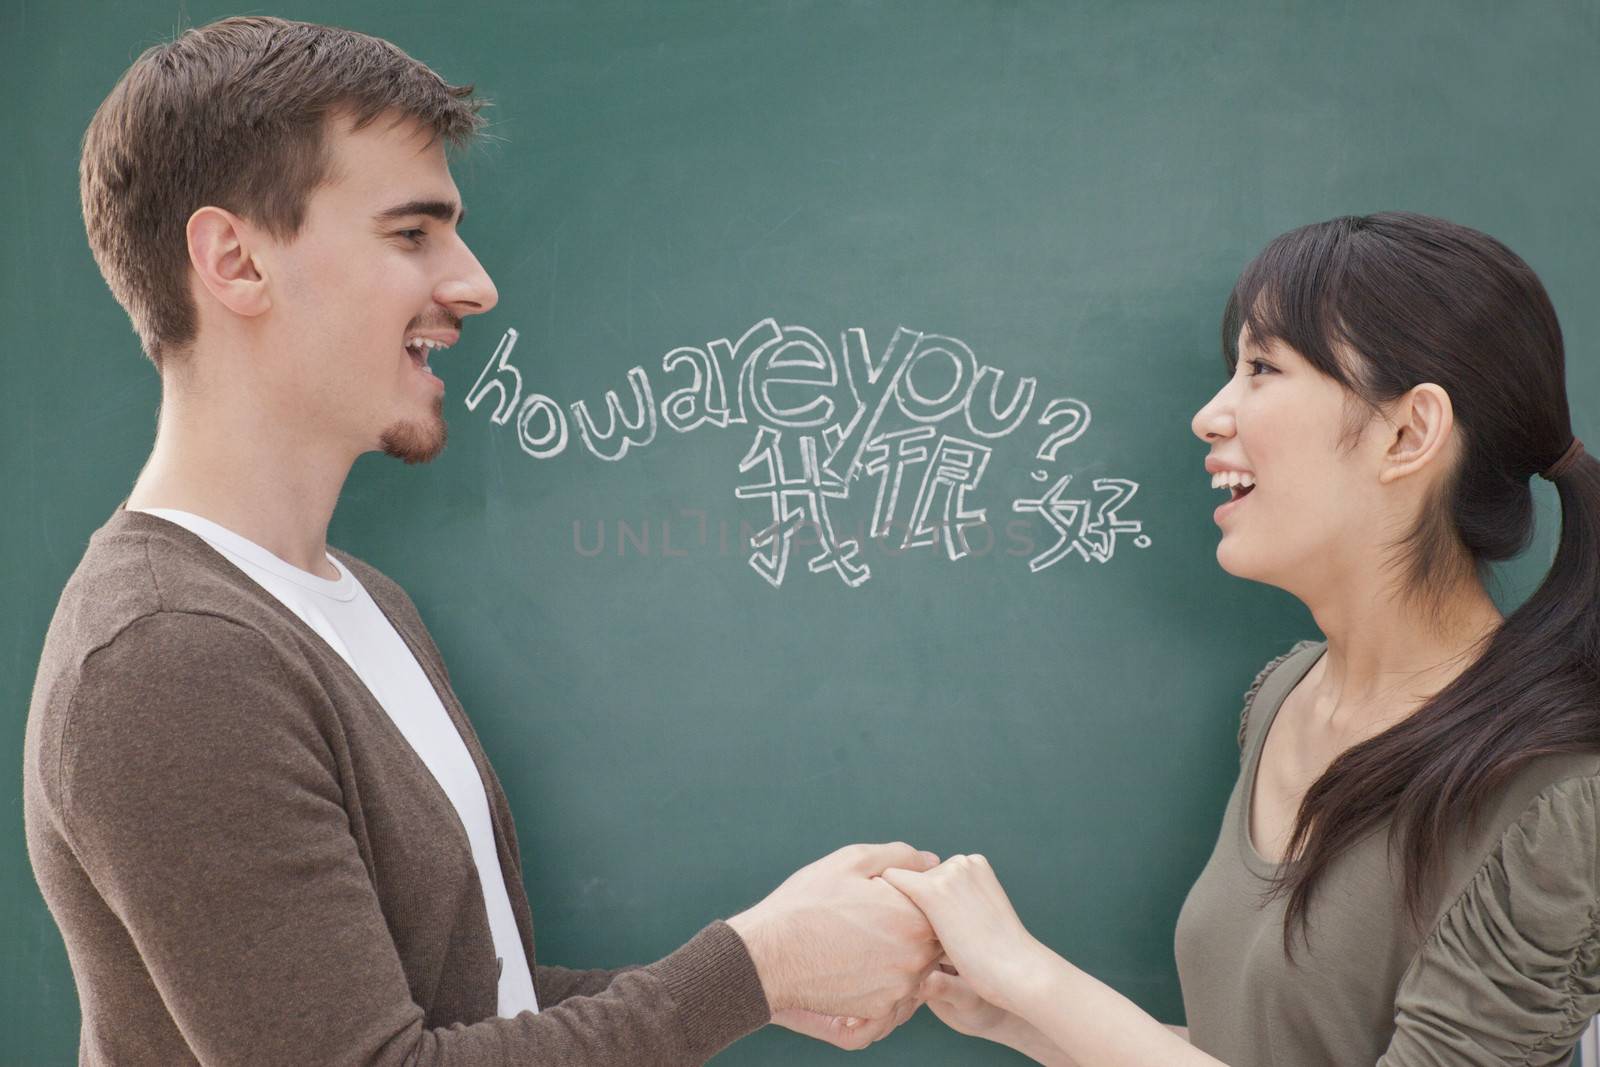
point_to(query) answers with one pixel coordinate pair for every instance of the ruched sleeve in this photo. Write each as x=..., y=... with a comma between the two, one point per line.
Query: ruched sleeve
x=1511, y=972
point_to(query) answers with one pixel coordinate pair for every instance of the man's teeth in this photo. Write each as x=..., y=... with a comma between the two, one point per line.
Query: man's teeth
x=1232, y=479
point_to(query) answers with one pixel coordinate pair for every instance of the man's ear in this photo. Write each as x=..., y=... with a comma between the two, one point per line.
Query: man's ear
x=1420, y=424
x=221, y=252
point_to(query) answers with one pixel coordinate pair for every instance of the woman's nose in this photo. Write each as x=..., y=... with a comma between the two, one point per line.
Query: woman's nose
x=1214, y=421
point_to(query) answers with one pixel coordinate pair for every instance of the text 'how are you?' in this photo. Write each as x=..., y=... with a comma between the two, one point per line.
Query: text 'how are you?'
x=916, y=426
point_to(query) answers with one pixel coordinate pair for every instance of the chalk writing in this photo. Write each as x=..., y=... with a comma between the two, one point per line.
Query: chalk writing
x=1089, y=529
x=796, y=504
x=922, y=411
x=956, y=466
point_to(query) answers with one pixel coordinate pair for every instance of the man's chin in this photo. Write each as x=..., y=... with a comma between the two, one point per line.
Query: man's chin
x=418, y=441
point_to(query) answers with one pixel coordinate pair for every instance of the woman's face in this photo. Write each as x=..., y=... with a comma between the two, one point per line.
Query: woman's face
x=1280, y=424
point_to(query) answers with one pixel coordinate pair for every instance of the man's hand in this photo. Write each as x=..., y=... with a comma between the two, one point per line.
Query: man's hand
x=850, y=1033
x=836, y=940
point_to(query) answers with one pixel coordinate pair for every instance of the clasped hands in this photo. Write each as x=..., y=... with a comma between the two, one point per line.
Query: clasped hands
x=849, y=947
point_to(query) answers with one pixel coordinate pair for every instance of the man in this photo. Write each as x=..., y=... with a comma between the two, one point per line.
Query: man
x=255, y=807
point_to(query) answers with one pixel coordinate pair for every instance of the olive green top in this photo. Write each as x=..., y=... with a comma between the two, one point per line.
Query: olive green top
x=1506, y=972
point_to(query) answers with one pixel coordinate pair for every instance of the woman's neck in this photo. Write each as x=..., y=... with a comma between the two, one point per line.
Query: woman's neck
x=1388, y=653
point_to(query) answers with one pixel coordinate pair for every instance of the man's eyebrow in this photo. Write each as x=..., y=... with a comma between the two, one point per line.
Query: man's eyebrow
x=443, y=210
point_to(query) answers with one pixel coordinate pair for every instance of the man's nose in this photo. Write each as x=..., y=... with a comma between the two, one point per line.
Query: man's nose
x=470, y=290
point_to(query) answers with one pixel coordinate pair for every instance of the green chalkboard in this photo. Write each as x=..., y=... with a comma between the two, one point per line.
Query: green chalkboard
x=947, y=274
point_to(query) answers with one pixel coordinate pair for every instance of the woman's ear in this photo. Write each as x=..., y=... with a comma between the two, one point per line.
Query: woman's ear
x=222, y=254
x=1419, y=426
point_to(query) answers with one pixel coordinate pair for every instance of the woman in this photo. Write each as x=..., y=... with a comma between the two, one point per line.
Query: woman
x=1408, y=870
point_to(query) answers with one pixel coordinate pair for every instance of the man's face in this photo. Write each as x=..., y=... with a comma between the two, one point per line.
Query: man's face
x=377, y=266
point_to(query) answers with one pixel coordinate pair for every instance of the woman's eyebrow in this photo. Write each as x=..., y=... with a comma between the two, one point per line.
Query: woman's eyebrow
x=443, y=210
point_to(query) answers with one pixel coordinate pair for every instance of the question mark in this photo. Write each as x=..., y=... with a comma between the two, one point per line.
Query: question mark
x=1077, y=414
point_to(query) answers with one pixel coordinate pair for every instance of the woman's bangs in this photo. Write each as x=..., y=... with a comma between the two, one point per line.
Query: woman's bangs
x=1289, y=294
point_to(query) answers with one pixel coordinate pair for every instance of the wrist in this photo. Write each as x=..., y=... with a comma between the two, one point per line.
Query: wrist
x=1012, y=1030
x=1022, y=1036
x=760, y=934
x=1029, y=973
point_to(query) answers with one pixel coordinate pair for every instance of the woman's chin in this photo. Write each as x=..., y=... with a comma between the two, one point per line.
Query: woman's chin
x=1240, y=563
x=1234, y=561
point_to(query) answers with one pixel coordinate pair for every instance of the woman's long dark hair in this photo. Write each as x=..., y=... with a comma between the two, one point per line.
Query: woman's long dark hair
x=1380, y=304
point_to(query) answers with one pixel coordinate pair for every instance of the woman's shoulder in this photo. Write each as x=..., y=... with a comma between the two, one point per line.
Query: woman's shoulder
x=1266, y=672
x=1547, y=812
x=1512, y=963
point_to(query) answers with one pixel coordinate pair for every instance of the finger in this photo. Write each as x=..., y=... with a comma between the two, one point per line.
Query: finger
x=841, y=1031
x=907, y=882
x=878, y=1029
x=849, y=1032
x=849, y=1040
x=793, y=1017
x=868, y=1032
x=908, y=1008
x=875, y=859
x=936, y=986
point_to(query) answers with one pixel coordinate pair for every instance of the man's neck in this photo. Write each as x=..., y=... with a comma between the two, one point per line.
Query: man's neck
x=257, y=479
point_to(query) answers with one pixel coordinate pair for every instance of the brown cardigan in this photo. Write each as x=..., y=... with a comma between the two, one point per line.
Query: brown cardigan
x=249, y=863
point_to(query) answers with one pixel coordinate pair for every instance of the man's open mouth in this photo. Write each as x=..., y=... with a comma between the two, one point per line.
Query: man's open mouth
x=418, y=348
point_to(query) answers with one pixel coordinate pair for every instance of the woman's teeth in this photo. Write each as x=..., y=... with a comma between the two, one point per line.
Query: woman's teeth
x=1232, y=480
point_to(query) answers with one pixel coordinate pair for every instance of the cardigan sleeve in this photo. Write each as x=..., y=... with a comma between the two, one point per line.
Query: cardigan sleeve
x=1511, y=972
x=554, y=984
x=204, y=803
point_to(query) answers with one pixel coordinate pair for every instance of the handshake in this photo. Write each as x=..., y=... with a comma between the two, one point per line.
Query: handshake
x=849, y=947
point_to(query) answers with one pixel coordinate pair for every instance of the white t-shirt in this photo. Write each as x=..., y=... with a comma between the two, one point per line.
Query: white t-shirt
x=344, y=615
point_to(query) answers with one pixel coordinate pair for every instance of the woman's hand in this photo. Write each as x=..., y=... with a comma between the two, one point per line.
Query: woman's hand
x=952, y=999
x=975, y=922
x=1064, y=1016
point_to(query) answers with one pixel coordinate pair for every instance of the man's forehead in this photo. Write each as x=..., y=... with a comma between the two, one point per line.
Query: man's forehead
x=388, y=163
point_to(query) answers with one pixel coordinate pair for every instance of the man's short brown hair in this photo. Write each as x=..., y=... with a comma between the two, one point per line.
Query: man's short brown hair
x=232, y=115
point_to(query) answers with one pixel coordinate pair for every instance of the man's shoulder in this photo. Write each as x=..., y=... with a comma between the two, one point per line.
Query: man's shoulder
x=138, y=569
x=137, y=565
x=148, y=600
